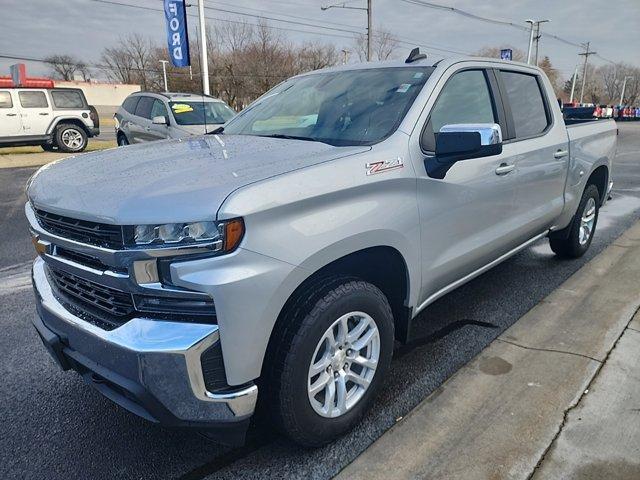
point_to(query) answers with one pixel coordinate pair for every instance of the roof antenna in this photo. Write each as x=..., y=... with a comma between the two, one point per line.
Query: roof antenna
x=415, y=55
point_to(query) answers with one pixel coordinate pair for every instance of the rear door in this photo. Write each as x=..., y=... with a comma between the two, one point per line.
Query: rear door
x=543, y=149
x=10, y=124
x=35, y=111
x=141, y=121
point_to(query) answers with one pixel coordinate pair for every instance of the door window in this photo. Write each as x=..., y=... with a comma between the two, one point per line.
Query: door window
x=159, y=110
x=527, y=105
x=143, y=109
x=5, y=99
x=465, y=98
x=33, y=99
x=130, y=104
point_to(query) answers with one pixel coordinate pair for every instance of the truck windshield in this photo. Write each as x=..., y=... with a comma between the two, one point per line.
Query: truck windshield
x=356, y=107
x=199, y=113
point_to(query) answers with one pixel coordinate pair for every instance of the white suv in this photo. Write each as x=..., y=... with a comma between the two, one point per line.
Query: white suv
x=57, y=118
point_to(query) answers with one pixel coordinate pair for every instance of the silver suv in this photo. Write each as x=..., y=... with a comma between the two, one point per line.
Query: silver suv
x=145, y=116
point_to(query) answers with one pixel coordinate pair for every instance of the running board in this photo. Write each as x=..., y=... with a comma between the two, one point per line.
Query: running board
x=474, y=274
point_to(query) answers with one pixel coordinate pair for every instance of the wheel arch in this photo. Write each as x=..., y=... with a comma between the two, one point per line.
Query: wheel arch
x=600, y=178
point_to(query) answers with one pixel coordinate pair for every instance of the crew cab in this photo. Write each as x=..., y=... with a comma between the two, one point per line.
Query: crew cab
x=57, y=118
x=277, y=259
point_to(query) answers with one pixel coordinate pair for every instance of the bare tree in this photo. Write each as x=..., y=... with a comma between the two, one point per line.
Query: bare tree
x=133, y=60
x=385, y=44
x=65, y=67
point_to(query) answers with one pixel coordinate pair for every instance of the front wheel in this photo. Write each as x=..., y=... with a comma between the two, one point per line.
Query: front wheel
x=330, y=360
x=575, y=240
x=71, y=138
x=122, y=140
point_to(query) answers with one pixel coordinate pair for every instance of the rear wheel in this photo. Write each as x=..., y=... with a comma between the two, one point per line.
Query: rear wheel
x=330, y=360
x=575, y=240
x=71, y=138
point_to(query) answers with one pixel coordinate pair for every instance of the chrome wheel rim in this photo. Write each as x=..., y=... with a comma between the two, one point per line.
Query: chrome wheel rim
x=343, y=364
x=72, y=139
x=587, y=221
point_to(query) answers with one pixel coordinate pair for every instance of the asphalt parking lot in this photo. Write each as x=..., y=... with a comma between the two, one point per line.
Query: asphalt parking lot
x=56, y=427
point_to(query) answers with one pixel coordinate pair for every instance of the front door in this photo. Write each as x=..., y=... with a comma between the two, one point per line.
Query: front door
x=35, y=112
x=466, y=218
x=10, y=125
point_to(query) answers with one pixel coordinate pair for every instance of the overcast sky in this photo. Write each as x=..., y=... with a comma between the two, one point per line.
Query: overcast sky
x=37, y=28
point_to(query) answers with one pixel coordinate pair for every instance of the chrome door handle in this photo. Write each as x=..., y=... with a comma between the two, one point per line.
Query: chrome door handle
x=561, y=154
x=12, y=114
x=147, y=128
x=504, y=168
x=43, y=114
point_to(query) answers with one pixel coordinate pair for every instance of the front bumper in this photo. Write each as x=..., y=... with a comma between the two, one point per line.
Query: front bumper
x=150, y=367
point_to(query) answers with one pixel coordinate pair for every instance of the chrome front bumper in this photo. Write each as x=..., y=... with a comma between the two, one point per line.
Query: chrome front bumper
x=151, y=367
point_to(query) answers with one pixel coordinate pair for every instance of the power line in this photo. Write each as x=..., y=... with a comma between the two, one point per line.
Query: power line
x=495, y=21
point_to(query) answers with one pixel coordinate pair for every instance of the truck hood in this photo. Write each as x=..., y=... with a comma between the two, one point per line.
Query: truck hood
x=169, y=181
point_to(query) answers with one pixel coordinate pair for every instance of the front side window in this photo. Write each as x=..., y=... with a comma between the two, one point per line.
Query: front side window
x=158, y=109
x=67, y=99
x=201, y=113
x=5, y=99
x=527, y=106
x=33, y=99
x=357, y=107
x=465, y=98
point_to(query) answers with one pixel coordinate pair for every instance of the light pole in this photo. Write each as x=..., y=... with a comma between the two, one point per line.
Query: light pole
x=204, y=62
x=573, y=84
x=369, y=23
x=532, y=22
x=164, y=73
x=624, y=86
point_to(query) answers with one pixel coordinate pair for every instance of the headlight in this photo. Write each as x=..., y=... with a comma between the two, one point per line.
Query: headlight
x=224, y=236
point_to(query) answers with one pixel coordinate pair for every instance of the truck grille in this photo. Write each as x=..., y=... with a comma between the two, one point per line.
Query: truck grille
x=117, y=305
x=93, y=233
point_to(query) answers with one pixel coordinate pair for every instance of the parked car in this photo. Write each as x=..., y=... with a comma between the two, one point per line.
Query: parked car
x=278, y=259
x=57, y=118
x=146, y=116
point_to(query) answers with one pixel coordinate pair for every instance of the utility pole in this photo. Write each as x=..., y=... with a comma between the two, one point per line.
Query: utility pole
x=624, y=86
x=573, y=84
x=369, y=23
x=164, y=73
x=535, y=27
x=204, y=62
x=537, y=37
x=584, y=69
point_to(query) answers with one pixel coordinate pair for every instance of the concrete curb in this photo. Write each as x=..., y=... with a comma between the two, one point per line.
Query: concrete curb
x=498, y=416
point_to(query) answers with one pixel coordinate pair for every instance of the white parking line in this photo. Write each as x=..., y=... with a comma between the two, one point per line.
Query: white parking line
x=15, y=278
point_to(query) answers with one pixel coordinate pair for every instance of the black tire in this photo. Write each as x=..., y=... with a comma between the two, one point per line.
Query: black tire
x=71, y=138
x=122, y=140
x=285, y=378
x=49, y=147
x=566, y=243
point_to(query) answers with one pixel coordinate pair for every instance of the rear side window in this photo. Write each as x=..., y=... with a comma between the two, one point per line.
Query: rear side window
x=5, y=100
x=526, y=102
x=33, y=99
x=67, y=99
x=465, y=98
x=130, y=104
x=143, y=109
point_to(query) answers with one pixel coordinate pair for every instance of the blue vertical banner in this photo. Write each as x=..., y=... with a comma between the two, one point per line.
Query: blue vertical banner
x=177, y=33
x=506, y=54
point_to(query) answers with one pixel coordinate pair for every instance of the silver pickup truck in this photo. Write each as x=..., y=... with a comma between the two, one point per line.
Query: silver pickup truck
x=271, y=265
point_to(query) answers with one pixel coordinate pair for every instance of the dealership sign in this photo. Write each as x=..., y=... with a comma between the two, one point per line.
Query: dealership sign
x=506, y=54
x=177, y=35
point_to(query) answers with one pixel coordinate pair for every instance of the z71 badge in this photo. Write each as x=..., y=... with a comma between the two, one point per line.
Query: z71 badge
x=384, y=166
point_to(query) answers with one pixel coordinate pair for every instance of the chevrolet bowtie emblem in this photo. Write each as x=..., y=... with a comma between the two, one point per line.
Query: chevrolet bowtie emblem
x=42, y=247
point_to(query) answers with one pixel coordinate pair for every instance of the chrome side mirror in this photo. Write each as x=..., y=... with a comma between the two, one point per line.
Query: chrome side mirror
x=160, y=120
x=464, y=141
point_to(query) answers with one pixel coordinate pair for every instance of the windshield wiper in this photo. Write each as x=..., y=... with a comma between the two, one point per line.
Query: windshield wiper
x=291, y=137
x=216, y=131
